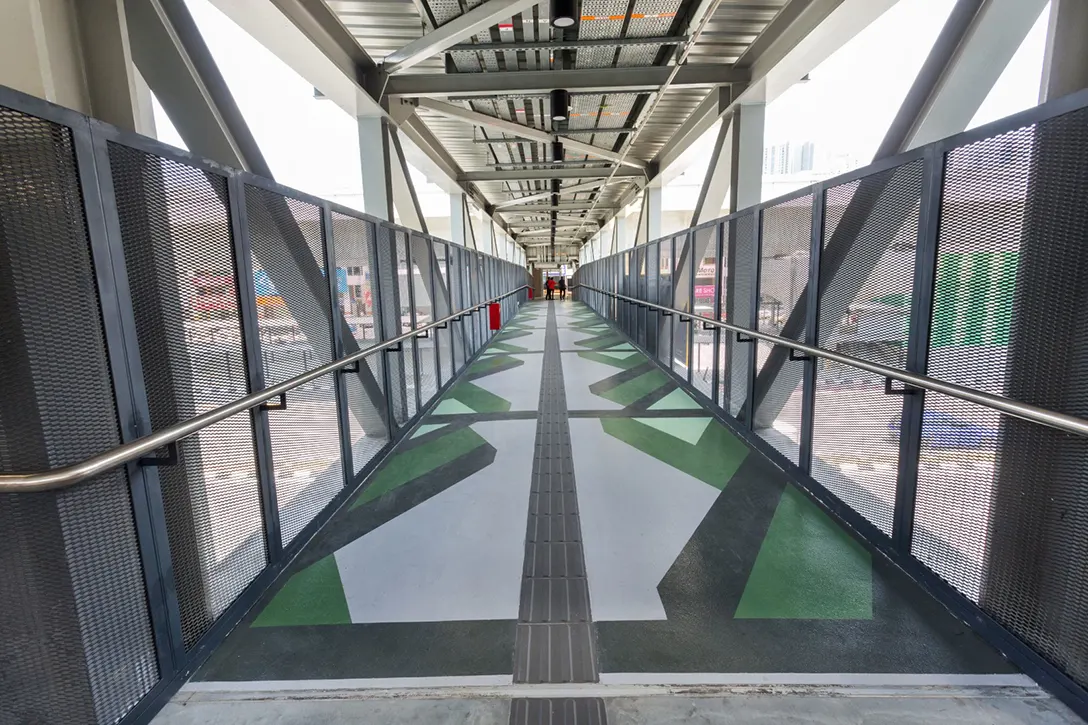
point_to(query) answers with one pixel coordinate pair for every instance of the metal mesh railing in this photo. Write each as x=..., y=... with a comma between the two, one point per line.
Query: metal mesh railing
x=74, y=618
x=142, y=287
x=960, y=269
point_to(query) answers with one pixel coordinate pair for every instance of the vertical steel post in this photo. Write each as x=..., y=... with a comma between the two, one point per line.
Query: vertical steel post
x=716, y=378
x=925, y=267
x=339, y=388
x=808, y=389
x=753, y=354
x=377, y=314
x=247, y=298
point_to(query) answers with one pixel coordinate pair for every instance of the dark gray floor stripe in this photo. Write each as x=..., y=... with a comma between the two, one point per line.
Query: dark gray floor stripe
x=547, y=711
x=554, y=638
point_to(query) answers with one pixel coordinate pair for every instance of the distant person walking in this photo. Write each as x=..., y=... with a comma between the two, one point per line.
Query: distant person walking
x=562, y=288
x=551, y=289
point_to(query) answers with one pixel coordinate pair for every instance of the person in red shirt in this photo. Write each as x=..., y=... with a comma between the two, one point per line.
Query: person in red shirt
x=551, y=288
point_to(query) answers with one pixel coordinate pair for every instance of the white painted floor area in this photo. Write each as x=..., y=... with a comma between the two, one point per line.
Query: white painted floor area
x=457, y=556
x=517, y=384
x=637, y=514
x=578, y=375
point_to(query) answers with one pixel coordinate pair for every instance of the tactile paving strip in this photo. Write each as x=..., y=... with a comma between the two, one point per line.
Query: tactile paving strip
x=554, y=637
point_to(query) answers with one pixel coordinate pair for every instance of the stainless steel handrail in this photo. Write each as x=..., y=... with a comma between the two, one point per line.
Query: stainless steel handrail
x=75, y=473
x=1025, y=411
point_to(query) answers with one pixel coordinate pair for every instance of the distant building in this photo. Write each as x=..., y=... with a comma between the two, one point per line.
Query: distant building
x=788, y=158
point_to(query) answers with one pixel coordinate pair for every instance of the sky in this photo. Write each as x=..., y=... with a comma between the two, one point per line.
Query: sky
x=845, y=107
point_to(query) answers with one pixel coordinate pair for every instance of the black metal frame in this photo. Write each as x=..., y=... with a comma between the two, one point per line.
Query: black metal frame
x=897, y=546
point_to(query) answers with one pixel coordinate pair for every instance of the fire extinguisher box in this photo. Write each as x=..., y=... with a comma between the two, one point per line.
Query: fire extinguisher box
x=495, y=314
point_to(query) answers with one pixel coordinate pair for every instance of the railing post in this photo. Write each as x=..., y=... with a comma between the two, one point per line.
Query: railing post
x=808, y=390
x=343, y=422
x=925, y=264
x=716, y=333
x=247, y=295
x=753, y=354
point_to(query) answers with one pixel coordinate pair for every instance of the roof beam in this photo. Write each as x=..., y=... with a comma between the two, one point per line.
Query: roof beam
x=464, y=26
x=568, y=44
x=476, y=175
x=592, y=80
x=482, y=119
x=561, y=206
x=323, y=28
x=547, y=194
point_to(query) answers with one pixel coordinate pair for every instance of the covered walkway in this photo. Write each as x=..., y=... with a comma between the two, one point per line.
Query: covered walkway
x=568, y=514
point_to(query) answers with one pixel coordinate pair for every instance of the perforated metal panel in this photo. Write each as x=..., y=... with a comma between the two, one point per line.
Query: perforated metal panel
x=1002, y=509
x=783, y=276
x=866, y=291
x=390, y=310
x=175, y=230
x=426, y=359
x=457, y=328
x=738, y=279
x=295, y=325
x=73, y=609
x=681, y=300
x=443, y=308
x=704, y=294
x=663, y=269
x=353, y=240
x=406, y=310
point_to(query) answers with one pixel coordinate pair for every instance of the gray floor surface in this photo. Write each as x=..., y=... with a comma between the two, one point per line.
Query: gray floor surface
x=958, y=707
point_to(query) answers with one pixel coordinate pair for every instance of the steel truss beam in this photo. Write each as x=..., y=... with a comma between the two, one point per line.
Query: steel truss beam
x=464, y=26
x=478, y=175
x=567, y=45
x=596, y=80
x=450, y=110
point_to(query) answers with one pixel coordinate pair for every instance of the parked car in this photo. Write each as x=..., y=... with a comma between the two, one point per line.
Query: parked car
x=944, y=430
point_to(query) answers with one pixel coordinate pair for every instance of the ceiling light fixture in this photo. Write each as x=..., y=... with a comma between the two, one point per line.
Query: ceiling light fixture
x=557, y=150
x=563, y=15
x=560, y=104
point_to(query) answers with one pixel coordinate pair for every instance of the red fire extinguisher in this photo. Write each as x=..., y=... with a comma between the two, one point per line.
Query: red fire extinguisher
x=495, y=314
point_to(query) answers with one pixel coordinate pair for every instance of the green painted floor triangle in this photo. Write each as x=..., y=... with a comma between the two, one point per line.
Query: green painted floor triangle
x=807, y=568
x=407, y=466
x=427, y=428
x=713, y=460
x=689, y=430
x=635, y=389
x=314, y=595
x=624, y=346
x=452, y=407
x=676, y=400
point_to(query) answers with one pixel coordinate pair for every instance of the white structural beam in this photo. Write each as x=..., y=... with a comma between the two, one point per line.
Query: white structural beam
x=996, y=32
x=450, y=110
x=405, y=199
x=718, y=176
x=746, y=174
x=1065, y=63
x=460, y=28
x=304, y=35
x=573, y=188
x=377, y=167
x=458, y=209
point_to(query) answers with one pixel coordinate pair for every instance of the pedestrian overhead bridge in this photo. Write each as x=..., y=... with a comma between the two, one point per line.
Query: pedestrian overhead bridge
x=268, y=458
